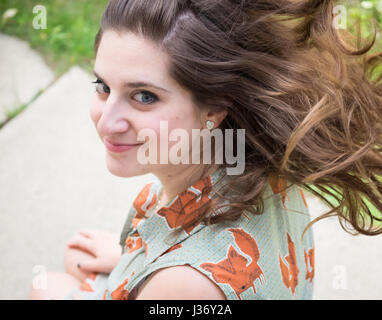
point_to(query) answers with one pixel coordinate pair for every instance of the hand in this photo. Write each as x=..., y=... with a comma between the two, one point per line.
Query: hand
x=102, y=245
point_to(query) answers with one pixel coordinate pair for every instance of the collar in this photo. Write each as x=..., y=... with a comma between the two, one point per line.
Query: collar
x=156, y=230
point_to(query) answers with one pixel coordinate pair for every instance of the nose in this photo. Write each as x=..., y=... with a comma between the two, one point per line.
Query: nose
x=113, y=120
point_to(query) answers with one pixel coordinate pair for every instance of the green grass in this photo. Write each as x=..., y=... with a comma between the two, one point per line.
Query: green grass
x=366, y=11
x=69, y=36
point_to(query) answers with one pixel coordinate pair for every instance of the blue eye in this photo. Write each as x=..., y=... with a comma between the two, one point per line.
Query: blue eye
x=101, y=87
x=148, y=97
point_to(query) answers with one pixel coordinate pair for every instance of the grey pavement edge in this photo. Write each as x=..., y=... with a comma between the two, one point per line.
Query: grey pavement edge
x=23, y=74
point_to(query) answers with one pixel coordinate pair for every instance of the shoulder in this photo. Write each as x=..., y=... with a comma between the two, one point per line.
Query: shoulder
x=181, y=282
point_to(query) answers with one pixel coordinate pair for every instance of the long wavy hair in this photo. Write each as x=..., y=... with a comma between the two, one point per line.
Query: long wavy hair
x=307, y=94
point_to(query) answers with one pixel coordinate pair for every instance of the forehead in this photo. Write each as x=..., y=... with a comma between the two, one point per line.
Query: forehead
x=132, y=57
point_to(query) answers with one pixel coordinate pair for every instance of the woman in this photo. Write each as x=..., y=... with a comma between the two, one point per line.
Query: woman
x=312, y=119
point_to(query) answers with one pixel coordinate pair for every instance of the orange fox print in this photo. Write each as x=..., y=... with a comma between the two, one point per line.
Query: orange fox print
x=290, y=274
x=309, y=264
x=86, y=284
x=178, y=213
x=234, y=269
x=278, y=186
x=303, y=198
x=144, y=202
x=120, y=293
x=174, y=247
x=133, y=243
x=136, y=221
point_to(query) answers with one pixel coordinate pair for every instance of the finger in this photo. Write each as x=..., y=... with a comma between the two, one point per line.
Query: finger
x=82, y=243
x=92, y=265
x=86, y=233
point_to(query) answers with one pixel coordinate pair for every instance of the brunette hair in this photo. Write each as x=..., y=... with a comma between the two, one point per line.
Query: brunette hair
x=308, y=95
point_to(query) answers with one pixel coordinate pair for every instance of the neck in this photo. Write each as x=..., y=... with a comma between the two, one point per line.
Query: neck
x=179, y=178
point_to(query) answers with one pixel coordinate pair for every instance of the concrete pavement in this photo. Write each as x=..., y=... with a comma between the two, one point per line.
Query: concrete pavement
x=23, y=74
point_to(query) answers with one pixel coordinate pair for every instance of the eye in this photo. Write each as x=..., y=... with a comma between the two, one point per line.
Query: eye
x=147, y=97
x=101, y=88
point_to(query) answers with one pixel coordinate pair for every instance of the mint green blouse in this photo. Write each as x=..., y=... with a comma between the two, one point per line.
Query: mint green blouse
x=255, y=257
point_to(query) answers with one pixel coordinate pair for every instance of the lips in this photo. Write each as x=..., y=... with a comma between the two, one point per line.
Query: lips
x=113, y=147
x=117, y=144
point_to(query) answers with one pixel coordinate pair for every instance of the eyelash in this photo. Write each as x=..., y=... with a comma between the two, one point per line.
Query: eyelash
x=155, y=98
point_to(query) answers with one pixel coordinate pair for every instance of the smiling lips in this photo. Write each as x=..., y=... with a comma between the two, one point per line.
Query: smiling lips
x=114, y=147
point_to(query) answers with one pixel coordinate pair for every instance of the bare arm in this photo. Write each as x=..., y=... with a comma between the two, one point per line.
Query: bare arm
x=179, y=283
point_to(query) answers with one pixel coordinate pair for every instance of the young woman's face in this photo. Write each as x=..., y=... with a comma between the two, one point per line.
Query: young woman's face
x=122, y=105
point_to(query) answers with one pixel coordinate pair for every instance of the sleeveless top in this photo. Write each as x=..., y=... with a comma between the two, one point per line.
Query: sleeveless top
x=255, y=257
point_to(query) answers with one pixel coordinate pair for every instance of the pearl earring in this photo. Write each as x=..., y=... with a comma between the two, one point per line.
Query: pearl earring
x=210, y=124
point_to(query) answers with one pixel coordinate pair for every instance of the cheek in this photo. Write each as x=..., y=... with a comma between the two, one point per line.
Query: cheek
x=187, y=122
x=187, y=119
x=184, y=122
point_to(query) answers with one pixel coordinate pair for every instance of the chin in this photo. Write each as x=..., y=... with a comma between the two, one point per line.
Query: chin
x=123, y=169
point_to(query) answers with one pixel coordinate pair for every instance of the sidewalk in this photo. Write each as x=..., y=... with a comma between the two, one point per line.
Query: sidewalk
x=54, y=180
x=347, y=267
x=23, y=74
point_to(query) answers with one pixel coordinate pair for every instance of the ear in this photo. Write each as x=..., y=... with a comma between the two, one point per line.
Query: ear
x=217, y=116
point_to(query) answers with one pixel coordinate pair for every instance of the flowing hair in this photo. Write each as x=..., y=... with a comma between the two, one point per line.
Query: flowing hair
x=308, y=95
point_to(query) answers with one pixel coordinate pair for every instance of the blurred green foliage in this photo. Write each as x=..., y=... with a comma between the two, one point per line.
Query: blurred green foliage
x=367, y=12
x=69, y=36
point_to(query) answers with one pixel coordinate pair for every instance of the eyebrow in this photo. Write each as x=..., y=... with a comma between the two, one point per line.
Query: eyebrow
x=137, y=84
